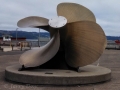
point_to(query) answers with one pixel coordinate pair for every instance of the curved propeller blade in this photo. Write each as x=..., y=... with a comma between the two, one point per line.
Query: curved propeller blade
x=75, y=12
x=39, y=56
x=34, y=21
x=84, y=43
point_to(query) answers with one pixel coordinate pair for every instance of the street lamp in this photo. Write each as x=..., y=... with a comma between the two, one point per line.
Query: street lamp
x=16, y=36
x=39, y=38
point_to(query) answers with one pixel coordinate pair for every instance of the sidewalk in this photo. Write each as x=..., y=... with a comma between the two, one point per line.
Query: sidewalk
x=9, y=48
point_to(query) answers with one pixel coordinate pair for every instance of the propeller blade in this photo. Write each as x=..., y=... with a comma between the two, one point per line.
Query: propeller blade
x=34, y=22
x=74, y=12
x=39, y=56
x=84, y=43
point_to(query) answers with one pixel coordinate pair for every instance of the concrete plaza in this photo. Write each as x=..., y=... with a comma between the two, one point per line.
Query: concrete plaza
x=109, y=59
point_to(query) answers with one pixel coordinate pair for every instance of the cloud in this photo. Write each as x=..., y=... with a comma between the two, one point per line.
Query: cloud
x=106, y=12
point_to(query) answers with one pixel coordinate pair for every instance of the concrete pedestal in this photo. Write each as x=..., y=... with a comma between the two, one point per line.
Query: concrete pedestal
x=87, y=75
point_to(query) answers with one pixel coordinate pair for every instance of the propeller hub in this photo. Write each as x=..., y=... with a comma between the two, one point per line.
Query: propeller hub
x=58, y=22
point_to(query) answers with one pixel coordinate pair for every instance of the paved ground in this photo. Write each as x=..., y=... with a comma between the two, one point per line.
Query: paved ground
x=109, y=59
x=9, y=48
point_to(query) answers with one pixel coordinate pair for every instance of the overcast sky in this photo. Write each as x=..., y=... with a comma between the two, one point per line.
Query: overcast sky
x=107, y=12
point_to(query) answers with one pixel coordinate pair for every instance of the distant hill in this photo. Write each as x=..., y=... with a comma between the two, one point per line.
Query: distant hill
x=28, y=35
x=113, y=37
x=34, y=35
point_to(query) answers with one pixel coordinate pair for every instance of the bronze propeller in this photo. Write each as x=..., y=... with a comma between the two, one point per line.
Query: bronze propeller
x=82, y=40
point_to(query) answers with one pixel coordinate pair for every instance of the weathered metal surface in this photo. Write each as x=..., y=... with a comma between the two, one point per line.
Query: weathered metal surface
x=75, y=12
x=34, y=22
x=39, y=56
x=84, y=43
x=82, y=39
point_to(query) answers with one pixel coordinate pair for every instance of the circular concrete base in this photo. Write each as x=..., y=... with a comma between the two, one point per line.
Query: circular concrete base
x=88, y=74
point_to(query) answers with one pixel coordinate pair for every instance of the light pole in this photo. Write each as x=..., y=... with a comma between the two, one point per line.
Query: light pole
x=16, y=36
x=39, y=38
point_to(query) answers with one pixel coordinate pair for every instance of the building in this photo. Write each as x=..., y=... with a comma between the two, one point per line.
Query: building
x=5, y=38
x=10, y=38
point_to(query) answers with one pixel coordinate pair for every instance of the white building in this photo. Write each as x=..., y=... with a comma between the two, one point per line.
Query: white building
x=6, y=37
